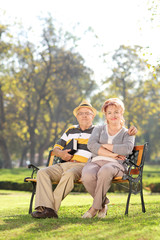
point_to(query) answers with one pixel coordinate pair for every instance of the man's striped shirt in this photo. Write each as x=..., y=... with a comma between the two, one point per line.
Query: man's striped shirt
x=74, y=132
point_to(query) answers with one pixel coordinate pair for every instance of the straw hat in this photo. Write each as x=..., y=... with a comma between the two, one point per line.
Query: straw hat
x=86, y=104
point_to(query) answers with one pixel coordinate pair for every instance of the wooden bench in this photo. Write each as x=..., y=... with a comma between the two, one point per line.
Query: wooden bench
x=134, y=176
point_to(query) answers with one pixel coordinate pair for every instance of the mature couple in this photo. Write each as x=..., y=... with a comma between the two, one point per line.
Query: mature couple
x=104, y=149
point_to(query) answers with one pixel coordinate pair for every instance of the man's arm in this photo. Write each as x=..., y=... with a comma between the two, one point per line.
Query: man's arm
x=64, y=155
x=132, y=131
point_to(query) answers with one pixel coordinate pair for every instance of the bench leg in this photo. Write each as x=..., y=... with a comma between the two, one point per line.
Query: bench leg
x=128, y=199
x=142, y=200
x=32, y=197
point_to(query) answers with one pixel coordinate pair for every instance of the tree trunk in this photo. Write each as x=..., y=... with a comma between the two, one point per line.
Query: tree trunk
x=32, y=146
x=5, y=154
x=23, y=155
x=3, y=145
x=40, y=157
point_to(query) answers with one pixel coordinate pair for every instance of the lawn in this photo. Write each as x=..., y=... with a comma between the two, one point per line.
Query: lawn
x=16, y=223
x=151, y=174
x=15, y=174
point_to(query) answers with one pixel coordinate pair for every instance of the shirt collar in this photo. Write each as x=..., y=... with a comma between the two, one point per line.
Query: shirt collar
x=85, y=129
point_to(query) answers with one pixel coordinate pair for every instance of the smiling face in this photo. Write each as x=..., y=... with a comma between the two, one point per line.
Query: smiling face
x=113, y=115
x=84, y=117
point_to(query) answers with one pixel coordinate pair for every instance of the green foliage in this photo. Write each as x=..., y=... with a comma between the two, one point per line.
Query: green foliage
x=16, y=223
x=41, y=87
x=13, y=179
x=139, y=87
x=41, y=84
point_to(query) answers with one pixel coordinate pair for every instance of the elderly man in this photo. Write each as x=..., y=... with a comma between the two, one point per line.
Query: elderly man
x=47, y=201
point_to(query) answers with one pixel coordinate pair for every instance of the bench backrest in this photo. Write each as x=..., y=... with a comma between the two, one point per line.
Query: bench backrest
x=50, y=159
x=138, y=157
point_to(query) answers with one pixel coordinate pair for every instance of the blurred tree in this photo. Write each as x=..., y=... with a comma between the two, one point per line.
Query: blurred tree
x=133, y=81
x=127, y=79
x=71, y=84
x=151, y=127
x=5, y=47
x=52, y=80
x=154, y=11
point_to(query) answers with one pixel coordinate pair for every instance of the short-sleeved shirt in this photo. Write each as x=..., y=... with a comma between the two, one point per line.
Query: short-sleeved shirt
x=74, y=132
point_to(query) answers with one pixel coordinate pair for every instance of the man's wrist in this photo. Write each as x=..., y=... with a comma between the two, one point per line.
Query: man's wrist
x=58, y=152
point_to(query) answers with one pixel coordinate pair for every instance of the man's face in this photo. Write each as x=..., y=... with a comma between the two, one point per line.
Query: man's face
x=85, y=116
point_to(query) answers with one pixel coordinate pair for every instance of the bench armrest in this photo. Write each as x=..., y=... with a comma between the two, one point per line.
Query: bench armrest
x=33, y=166
x=131, y=163
x=34, y=171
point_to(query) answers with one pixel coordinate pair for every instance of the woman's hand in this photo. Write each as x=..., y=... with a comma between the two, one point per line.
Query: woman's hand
x=120, y=157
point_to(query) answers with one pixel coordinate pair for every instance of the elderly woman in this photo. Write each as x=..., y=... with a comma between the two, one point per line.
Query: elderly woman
x=110, y=144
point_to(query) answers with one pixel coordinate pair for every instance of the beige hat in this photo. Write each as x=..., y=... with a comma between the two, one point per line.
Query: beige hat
x=86, y=104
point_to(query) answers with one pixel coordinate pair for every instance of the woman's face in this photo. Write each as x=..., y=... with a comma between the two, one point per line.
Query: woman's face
x=113, y=114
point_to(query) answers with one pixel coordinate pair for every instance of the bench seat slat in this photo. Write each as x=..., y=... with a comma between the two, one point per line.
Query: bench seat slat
x=117, y=179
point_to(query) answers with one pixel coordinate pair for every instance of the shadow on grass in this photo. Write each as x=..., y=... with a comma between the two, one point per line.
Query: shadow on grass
x=71, y=217
x=5, y=194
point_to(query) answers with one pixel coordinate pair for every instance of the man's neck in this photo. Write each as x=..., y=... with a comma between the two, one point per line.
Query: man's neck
x=84, y=127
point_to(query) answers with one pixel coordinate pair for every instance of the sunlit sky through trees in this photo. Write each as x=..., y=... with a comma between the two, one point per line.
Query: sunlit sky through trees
x=115, y=23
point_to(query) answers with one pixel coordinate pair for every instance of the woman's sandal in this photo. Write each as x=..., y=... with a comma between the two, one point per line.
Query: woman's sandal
x=103, y=212
x=88, y=215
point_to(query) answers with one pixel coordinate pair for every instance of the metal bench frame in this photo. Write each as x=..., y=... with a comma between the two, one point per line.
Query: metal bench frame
x=135, y=163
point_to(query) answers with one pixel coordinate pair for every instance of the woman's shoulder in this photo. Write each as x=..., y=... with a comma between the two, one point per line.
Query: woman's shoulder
x=124, y=129
x=126, y=134
x=100, y=126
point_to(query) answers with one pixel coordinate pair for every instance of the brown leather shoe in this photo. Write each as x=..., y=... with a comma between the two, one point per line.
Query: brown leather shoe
x=47, y=213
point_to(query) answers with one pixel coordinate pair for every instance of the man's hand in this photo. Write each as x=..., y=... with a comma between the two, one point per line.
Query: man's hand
x=132, y=131
x=65, y=155
x=62, y=153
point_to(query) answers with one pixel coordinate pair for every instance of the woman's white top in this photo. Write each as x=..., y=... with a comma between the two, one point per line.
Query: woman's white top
x=110, y=140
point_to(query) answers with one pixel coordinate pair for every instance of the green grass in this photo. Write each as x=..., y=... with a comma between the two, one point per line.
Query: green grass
x=16, y=223
x=15, y=174
x=151, y=174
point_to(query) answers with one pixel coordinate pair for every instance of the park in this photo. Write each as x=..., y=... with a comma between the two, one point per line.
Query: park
x=16, y=223
x=53, y=56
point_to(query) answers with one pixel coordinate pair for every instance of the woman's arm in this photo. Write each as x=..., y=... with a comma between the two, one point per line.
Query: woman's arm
x=95, y=147
x=93, y=142
x=131, y=132
x=126, y=147
x=123, y=149
x=108, y=146
x=106, y=153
